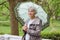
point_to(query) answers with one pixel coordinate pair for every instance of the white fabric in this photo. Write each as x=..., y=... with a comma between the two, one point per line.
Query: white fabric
x=27, y=35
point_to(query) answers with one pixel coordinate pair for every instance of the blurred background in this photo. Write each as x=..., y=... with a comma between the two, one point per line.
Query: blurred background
x=51, y=7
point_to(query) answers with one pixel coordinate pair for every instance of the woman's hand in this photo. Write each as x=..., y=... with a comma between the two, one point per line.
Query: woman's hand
x=25, y=28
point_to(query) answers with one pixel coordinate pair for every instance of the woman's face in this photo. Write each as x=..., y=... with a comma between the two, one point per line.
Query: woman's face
x=31, y=13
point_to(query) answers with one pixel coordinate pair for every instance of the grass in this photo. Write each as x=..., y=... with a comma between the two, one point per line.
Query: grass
x=4, y=30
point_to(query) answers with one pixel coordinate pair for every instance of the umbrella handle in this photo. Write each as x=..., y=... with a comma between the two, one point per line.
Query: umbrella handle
x=24, y=34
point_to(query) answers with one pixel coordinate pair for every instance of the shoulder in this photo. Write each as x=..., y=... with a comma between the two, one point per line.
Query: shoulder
x=27, y=21
x=38, y=20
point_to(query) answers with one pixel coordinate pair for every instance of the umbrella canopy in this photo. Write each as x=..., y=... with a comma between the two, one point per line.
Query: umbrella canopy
x=23, y=11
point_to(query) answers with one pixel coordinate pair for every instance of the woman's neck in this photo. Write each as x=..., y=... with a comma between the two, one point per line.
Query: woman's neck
x=32, y=17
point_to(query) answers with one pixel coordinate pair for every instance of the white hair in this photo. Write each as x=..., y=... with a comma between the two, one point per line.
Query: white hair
x=33, y=8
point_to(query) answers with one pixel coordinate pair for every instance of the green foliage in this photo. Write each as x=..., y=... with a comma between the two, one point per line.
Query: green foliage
x=50, y=32
x=55, y=6
x=4, y=17
x=4, y=8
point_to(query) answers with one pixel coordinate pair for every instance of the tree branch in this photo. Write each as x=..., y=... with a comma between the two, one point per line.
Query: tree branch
x=3, y=2
x=6, y=7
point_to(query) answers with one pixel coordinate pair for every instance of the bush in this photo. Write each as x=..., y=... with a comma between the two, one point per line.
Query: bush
x=50, y=33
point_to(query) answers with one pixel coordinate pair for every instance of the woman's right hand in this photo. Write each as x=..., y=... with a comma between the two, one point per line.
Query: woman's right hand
x=24, y=28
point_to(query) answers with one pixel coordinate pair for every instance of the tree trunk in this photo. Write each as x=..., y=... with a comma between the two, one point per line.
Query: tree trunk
x=14, y=23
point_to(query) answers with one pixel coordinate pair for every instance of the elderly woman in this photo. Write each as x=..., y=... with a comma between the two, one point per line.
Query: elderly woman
x=32, y=27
